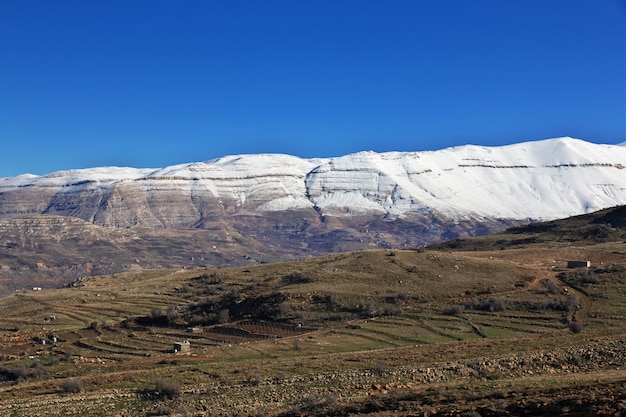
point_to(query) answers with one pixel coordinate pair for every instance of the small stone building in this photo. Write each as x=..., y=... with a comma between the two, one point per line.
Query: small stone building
x=182, y=347
x=578, y=264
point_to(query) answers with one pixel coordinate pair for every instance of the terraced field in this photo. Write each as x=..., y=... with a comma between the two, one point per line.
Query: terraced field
x=364, y=333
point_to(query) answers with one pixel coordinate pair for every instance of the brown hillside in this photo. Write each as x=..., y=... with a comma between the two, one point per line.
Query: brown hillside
x=504, y=331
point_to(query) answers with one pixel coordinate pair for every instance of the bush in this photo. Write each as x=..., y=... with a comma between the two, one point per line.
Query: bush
x=156, y=317
x=156, y=313
x=391, y=311
x=576, y=327
x=553, y=288
x=456, y=310
x=72, y=386
x=537, y=305
x=297, y=344
x=255, y=380
x=590, y=277
x=224, y=316
x=497, y=304
x=572, y=303
x=19, y=373
x=398, y=298
x=166, y=390
x=298, y=278
x=331, y=399
x=333, y=302
x=381, y=367
x=172, y=314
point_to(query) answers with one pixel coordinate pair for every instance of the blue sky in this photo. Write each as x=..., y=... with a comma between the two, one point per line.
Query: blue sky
x=155, y=83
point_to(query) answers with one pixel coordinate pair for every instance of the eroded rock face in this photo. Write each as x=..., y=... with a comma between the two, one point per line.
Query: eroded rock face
x=179, y=197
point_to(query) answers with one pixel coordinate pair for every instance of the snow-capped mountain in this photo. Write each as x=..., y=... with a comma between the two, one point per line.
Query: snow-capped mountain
x=533, y=180
x=244, y=209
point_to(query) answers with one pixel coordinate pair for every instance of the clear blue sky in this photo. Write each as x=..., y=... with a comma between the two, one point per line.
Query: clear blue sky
x=150, y=83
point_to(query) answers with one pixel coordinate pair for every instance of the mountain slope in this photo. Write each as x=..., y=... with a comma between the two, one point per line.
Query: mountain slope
x=604, y=226
x=257, y=208
x=538, y=180
x=511, y=332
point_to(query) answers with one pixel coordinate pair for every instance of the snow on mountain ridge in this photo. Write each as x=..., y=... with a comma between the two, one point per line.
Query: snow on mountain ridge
x=532, y=179
x=539, y=180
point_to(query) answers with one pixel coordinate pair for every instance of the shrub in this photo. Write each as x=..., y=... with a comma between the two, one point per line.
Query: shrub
x=13, y=373
x=156, y=317
x=156, y=313
x=553, y=288
x=398, y=297
x=331, y=399
x=255, y=379
x=19, y=373
x=72, y=386
x=572, y=303
x=199, y=320
x=166, y=390
x=475, y=304
x=333, y=301
x=298, y=278
x=172, y=313
x=456, y=310
x=497, y=304
x=537, y=305
x=212, y=278
x=224, y=316
x=590, y=277
x=381, y=366
x=283, y=309
x=297, y=344
x=392, y=311
x=575, y=327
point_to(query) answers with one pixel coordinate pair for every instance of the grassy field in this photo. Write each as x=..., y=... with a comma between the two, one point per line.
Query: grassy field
x=504, y=330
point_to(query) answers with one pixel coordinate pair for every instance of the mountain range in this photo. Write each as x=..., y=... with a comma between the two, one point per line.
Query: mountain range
x=258, y=208
x=533, y=180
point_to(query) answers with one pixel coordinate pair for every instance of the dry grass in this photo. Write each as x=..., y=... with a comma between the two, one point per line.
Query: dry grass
x=337, y=308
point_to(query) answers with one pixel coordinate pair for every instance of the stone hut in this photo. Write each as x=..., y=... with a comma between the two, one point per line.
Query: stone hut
x=182, y=347
x=578, y=264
